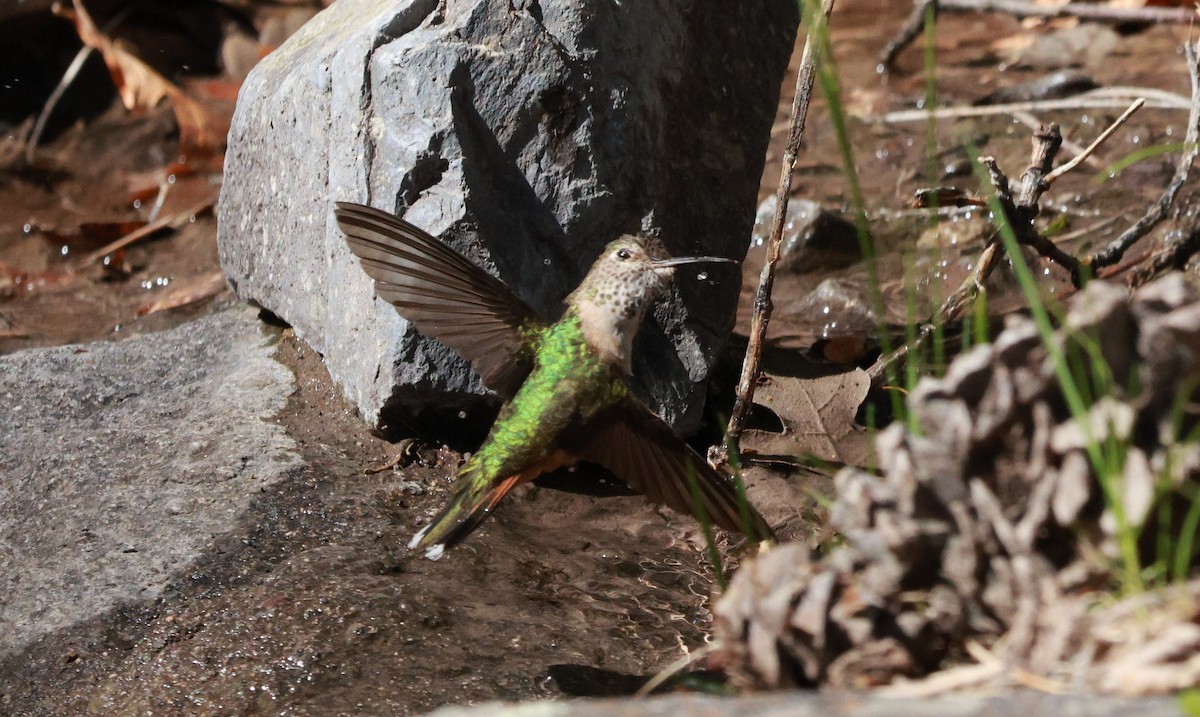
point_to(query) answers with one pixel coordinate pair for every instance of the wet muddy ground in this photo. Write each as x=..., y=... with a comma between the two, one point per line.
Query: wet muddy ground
x=313, y=606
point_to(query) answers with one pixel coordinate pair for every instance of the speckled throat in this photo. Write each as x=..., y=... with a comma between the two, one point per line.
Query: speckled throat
x=612, y=299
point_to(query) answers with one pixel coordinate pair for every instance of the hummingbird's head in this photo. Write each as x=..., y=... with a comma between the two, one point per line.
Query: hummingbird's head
x=621, y=285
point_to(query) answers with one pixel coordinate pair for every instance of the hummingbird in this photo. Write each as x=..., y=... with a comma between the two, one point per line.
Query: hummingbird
x=563, y=383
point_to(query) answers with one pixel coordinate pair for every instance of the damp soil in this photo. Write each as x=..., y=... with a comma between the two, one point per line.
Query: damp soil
x=314, y=606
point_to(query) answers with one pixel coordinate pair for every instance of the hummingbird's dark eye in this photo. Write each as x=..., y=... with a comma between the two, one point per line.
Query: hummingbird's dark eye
x=624, y=254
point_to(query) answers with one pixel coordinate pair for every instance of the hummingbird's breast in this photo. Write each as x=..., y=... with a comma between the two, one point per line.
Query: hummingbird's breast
x=570, y=381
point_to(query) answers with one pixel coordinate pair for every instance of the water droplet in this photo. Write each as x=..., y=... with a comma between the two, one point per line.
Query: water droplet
x=462, y=414
x=27, y=229
x=702, y=276
x=64, y=250
x=546, y=262
x=137, y=204
x=170, y=179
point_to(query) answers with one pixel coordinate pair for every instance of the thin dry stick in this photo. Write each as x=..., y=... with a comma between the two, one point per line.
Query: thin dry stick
x=914, y=25
x=68, y=77
x=1022, y=209
x=1036, y=179
x=673, y=669
x=1097, y=13
x=1084, y=101
x=1182, y=248
x=1033, y=123
x=1112, y=253
x=1077, y=159
x=762, y=300
x=52, y=101
x=173, y=222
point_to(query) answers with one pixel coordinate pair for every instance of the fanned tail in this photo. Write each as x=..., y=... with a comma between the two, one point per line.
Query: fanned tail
x=462, y=515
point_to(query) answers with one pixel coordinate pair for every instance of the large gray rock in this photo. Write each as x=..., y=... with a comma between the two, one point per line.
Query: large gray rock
x=525, y=134
x=120, y=461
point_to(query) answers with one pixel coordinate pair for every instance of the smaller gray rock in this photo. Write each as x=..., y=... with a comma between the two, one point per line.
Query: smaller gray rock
x=119, y=462
x=834, y=704
x=814, y=238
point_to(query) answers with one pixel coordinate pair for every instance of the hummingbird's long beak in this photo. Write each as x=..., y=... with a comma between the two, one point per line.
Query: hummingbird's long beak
x=676, y=261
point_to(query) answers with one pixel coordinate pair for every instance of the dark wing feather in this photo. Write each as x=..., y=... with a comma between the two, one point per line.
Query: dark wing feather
x=646, y=453
x=445, y=296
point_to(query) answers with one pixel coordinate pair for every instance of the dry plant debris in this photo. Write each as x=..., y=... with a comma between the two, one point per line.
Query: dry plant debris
x=141, y=88
x=986, y=542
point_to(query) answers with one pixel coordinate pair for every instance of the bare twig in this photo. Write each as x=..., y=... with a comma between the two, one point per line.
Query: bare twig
x=997, y=178
x=173, y=222
x=915, y=23
x=1097, y=13
x=52, y=101
x=1046, y=142
x=1183, y=246
x=913, y=26
x=68, y=77
x=1088, y=100
x=1112, y=253
x=1033, y=123
x=762, y=300
x=1020, y=211
x=673, y=669
x=1077, y=159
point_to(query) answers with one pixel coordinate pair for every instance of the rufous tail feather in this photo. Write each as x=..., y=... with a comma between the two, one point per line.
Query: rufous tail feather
x=466, y=510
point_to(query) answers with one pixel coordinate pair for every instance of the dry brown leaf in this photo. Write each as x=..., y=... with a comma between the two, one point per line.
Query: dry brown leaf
x=198, y=289
x=817, y=415
x=14, y=280
x=141, y=88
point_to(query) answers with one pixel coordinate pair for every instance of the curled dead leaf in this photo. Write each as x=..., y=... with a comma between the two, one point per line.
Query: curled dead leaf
x=142, y=88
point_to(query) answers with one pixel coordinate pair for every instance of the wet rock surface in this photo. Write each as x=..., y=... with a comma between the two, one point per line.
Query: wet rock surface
x=526, y=136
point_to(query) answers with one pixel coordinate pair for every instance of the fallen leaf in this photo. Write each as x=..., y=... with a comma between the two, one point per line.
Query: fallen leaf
x=89, y=237
x=15, y=281
x=142, y=88
x=817, y=416
x=173, y=221
x=198, y=289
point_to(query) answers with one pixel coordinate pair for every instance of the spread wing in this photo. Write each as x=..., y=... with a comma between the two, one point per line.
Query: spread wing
x=444, y=295
x=642, y=450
